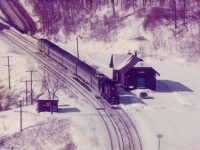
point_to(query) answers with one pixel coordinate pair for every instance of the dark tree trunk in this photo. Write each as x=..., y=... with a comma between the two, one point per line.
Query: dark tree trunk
x=162, y=3
x=99, y=3
x=170, y=3
x=184, y=13
x=113, y=6
x=175, y=14
x=91, y=3
x=143, y=5
x=133, y=4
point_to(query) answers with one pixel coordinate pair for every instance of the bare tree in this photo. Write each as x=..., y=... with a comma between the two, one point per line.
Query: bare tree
x=53, y=84
x=184, y=13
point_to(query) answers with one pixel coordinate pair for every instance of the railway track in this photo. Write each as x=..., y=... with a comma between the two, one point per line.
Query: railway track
x=24, y=39
x=130, y=139
x=121, y=131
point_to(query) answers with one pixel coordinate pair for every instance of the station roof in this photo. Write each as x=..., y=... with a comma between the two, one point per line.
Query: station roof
x=118, y=61
x=125, y=62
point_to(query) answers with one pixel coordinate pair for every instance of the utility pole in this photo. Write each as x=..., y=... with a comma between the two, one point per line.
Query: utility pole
x=20, y=115
x=20, y=106
x=31, y=71
x=8, y=57
x=78, y=36
x=26, y=91
x=159, y=136
x=77, y=47
x=44, y=80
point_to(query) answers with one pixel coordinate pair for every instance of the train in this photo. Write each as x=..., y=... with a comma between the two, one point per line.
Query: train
x=89, y=75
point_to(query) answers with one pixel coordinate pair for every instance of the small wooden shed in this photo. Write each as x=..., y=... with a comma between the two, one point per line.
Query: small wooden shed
x=47, y=105
x=131, y=72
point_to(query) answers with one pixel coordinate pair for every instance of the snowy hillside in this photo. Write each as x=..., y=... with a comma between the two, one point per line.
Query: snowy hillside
x=117, y=27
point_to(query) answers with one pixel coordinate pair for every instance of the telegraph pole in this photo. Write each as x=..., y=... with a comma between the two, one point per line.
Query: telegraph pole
x=26, y=91
x=20, y=115
x=78, y=36
x=77, y=47
x=44, y=80
x=8, y=71
x=159, y=136
x=31, y=71
x=20, y=106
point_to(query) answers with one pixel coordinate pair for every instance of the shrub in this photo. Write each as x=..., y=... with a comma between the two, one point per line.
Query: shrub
x=154, y=17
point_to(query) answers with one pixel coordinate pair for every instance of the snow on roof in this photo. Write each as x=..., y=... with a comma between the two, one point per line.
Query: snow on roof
x=120, y=60
x=124, y=63
x=133, y=61
x=144, y=65
x=141, y=64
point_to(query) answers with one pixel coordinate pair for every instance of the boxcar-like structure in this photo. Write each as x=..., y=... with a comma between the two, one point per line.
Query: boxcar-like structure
x=131, y=72
x=47, y=105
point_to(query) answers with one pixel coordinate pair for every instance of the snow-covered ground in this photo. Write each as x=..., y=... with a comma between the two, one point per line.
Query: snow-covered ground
x=81, y=126
x=173, y=111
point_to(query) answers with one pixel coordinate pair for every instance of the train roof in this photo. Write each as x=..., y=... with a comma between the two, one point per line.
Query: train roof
x=86, y=67
x=58, y=49
x=70, y=57
x=45, y=41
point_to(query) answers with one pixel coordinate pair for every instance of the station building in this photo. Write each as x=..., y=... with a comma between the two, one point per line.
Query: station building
x=131, y=72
